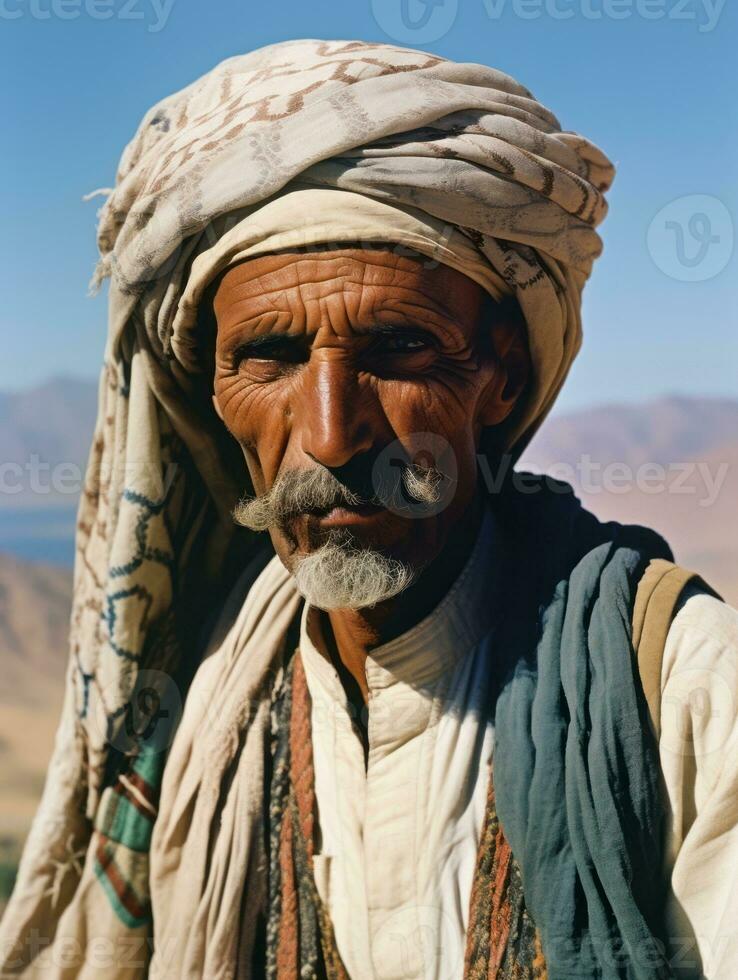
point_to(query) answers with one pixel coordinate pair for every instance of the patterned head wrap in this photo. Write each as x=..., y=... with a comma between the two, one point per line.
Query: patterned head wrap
x=306, y=141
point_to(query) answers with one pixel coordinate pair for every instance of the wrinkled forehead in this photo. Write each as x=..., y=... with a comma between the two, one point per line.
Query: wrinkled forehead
x=383, y=274
x=383, y=266
x=354, y=261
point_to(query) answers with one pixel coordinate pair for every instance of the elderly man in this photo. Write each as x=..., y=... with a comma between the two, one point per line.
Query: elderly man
x=411, y=714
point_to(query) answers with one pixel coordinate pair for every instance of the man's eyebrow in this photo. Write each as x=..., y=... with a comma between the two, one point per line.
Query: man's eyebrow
x=407, y=326
x=267, y=340
x=380, y=328
x=441, y=329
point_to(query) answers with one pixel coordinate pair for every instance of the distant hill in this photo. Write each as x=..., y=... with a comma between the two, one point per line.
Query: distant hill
x=53, y=422
x=664, y=431
x=671, y=464
x=35, y=603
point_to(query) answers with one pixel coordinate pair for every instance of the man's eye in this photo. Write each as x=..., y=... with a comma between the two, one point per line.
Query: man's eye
x=399, y=343
x=269, y=350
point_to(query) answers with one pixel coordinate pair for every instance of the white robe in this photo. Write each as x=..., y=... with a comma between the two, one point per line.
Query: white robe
x=397, y=841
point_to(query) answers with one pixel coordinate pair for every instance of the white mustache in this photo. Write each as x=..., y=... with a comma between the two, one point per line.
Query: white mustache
x=300, y=491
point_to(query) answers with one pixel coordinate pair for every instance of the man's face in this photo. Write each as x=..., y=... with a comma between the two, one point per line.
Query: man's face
x=356, y=369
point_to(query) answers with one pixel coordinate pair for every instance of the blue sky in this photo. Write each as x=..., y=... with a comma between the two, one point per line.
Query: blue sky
x=651, y=81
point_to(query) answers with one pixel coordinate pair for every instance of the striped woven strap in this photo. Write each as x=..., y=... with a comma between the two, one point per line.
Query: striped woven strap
x=502, y=942
x=299, y=934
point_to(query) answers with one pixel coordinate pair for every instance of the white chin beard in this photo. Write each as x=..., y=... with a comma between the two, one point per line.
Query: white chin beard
x=336, y=577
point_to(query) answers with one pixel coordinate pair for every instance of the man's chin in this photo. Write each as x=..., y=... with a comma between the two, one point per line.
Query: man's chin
x=343, y=572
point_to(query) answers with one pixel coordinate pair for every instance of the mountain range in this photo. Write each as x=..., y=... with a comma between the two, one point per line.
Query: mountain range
x=670, y=464
x=51, y=424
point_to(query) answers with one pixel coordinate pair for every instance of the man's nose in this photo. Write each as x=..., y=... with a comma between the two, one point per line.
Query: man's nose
x=339, y=416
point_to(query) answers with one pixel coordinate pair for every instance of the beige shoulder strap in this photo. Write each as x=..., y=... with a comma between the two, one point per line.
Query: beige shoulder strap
x=656, y=600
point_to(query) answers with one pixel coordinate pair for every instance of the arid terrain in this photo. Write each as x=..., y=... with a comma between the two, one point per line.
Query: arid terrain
x=35, y=602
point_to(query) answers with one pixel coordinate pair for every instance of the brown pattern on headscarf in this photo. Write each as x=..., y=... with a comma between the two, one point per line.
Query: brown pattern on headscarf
x=261, y=108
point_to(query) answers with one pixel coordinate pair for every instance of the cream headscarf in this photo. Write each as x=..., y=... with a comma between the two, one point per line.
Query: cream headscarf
x=297, y=143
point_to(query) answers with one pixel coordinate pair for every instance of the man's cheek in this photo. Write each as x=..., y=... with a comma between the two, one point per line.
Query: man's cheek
x=440, y=404
x=267, y=452
x=241, y=412
x=259, y=480
x=228, y=394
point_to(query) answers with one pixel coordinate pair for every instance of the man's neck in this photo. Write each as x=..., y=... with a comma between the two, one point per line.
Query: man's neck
x=353, y=633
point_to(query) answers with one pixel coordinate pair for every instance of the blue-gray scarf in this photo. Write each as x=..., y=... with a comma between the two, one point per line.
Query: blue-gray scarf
x=576, y=767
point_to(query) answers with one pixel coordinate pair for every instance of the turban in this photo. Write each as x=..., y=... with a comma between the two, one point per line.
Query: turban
x=300, y=143
x=462, y=154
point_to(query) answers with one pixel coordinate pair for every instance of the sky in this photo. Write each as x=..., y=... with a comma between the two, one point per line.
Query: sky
x=652, y=82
